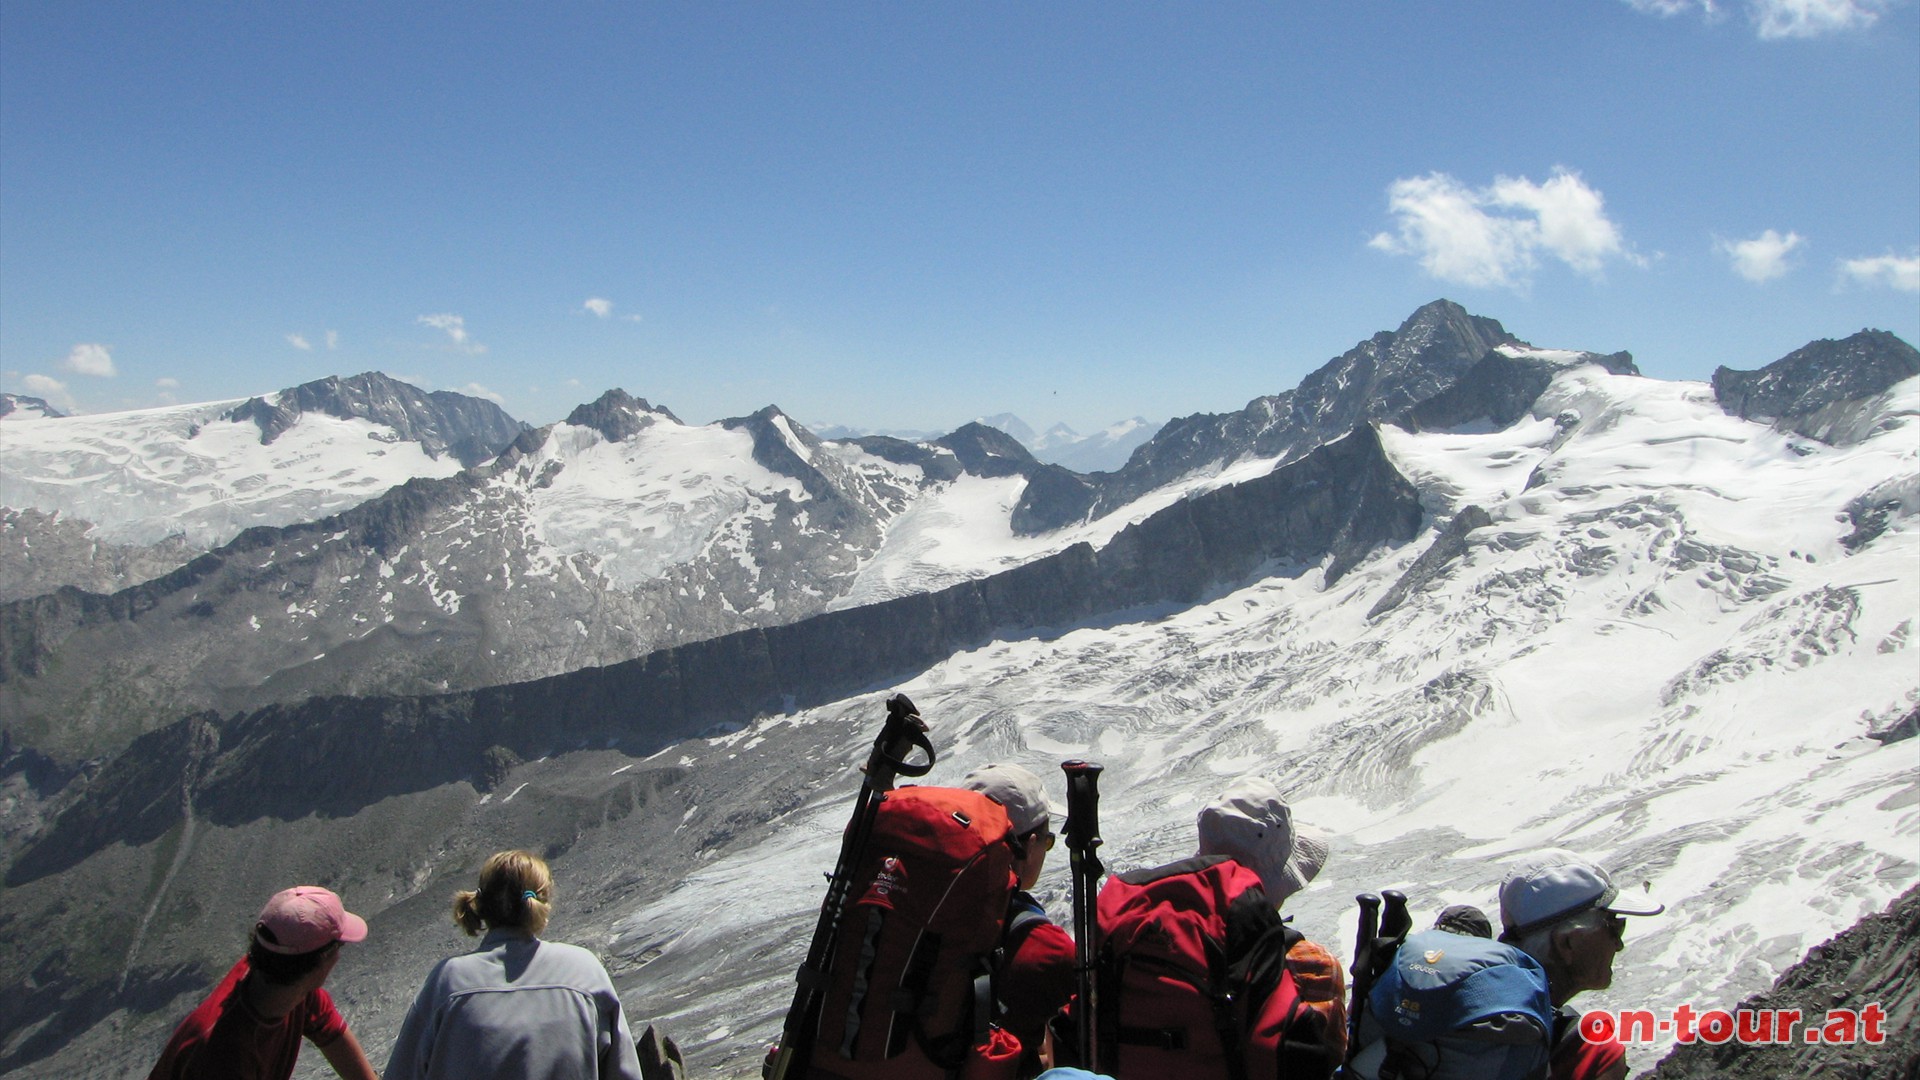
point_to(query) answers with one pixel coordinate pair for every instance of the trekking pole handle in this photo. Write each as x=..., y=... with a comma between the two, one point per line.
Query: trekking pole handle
x=1394, y=919
x=1083, y=802
x=1368, y=929
x=902, y=734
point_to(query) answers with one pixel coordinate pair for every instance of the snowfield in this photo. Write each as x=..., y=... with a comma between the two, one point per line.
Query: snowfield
x=146, y=475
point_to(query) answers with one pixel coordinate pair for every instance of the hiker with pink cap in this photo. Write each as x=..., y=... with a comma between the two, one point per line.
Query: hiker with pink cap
x=250, y=1027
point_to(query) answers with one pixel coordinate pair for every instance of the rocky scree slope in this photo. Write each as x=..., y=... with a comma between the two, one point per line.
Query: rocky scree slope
x=1877, y=961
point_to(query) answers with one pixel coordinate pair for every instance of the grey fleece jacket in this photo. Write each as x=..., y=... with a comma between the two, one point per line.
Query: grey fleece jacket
x=516, y=1007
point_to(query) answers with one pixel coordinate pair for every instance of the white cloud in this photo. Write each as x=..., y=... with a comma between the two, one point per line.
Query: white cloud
x=1810, y=18
x=456, y=329
x=1892, y=271
x=599, y=306
x=1670, y=8
x=50, y=390
x=1776, y=19
x=299, y=342
x=333, y=339
x=167, y=383
x=1572, y=217
x=1762, y=258
x=90, y=359
x=1495, y=236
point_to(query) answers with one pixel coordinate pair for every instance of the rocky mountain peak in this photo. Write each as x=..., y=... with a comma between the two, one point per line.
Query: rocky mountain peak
x=20, y=403
x=618, y=415
x=468, y=428
x=1817, y=389
x=1381, y=377
x=988, y=451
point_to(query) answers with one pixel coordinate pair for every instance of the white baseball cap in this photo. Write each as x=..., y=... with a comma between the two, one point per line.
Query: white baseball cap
x=1545, y=893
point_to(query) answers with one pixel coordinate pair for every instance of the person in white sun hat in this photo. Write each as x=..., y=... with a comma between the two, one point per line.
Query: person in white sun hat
x=1252, y=824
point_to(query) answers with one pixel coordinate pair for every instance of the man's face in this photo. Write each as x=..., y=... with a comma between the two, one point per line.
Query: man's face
x=1589, y=945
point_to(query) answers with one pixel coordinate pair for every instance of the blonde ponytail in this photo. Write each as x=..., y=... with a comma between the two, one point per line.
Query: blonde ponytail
x=516, y=890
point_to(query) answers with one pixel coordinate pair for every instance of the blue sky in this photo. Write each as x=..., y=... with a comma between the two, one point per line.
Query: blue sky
x=909, y=215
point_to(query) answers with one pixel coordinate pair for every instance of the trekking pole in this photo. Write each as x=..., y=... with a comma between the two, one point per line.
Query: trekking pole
x=1083, y=841
x=903, y=732
x=1362, y=970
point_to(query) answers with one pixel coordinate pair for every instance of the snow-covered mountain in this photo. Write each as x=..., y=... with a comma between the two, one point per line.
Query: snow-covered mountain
x=592, y=541
x=587, y=543
x=193, y=477
x=17, y=407
x=1550, y=604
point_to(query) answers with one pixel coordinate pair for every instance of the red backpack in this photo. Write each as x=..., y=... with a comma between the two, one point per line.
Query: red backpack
x=909, y=994
x=1200, y=979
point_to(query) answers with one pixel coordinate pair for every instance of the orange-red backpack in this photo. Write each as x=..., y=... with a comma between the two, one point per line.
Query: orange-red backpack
x=909, y=992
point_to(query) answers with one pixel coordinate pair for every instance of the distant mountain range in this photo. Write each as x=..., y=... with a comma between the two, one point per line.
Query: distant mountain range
x=1673, y=620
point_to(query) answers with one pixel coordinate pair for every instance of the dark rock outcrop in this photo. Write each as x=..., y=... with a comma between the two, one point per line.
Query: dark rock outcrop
x=1500, y=389
x=1815, y=390
x=938, y=463
x=1873, y=963
x=1900, y=730
x=1873, y=511
x=618, y=415
x=12, y=403
x=988, y=451
x=1446, y=547
x=470, y=429
x=333, y=756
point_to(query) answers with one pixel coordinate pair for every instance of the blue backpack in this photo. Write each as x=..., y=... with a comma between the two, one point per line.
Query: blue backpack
x=1454, y=1007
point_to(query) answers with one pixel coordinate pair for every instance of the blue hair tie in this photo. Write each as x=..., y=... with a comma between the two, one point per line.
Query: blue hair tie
x=530, y=895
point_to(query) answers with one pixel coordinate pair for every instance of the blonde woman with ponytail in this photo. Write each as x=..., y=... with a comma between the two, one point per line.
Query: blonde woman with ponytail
x=517, y=1006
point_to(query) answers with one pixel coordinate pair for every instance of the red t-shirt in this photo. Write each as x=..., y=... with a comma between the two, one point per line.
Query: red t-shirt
x=1577, y=1059
x=223, y=1039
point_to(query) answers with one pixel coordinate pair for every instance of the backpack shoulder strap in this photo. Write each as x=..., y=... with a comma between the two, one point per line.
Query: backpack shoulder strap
x=1023, y=917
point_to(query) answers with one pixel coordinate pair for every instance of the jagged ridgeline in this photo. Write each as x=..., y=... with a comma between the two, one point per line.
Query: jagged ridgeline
x=653, y=652
x=618, y=531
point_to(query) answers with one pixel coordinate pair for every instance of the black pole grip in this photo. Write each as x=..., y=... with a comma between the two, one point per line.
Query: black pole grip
x=1368, y=929
x=1394, y=918
x=903, y=733
x=1083, y=804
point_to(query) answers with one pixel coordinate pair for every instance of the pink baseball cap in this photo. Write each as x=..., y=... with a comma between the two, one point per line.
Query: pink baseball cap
x=305, y=918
